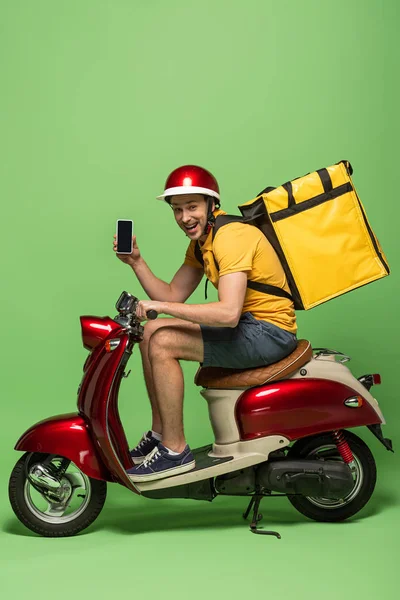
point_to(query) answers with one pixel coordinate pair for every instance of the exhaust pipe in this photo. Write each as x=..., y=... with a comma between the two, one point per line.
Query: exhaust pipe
x=323, y=479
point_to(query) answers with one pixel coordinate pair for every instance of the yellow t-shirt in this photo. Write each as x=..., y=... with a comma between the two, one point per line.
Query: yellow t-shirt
x=240, y=247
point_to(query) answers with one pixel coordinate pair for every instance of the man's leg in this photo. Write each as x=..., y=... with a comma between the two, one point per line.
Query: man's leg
x=150, y=328
x=148, y=376
x=167, y=346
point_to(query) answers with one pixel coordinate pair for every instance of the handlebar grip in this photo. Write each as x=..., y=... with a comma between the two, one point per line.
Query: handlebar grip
x=152, y=314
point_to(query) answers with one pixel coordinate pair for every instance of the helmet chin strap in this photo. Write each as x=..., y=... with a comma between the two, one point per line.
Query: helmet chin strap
x=210, y=217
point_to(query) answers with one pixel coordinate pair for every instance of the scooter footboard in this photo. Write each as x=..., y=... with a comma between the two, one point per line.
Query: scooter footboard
x=65, y=435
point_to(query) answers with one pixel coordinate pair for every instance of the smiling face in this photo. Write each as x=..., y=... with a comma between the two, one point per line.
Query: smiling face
x=190, y=211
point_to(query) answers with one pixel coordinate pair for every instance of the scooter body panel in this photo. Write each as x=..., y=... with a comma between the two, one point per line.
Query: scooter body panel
x=296, y=408
x=327, y=367
x=98, y=402
x=66, y=435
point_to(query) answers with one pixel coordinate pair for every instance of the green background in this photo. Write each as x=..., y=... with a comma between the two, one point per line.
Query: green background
x=99, y=101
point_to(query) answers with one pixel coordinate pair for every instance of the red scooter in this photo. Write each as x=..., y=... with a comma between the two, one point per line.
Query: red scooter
x=279, y=430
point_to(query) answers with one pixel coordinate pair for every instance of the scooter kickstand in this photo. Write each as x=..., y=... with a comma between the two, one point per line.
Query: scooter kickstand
x=248, y=509
x=256, y=499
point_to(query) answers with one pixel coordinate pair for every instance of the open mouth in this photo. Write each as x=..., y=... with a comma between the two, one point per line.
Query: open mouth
x=191, y=228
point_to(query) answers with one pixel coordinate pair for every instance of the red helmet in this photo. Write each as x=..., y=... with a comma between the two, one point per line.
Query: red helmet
x=190, y=179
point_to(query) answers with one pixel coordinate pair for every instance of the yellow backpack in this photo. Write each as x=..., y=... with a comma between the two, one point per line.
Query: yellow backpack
x=318, y=227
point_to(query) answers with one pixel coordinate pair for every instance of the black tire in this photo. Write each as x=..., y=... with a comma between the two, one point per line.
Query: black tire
x=17, y=491
x=364, y=485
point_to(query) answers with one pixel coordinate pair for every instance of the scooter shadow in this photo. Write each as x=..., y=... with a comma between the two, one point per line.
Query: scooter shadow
x=171, y=516
x=148, y=516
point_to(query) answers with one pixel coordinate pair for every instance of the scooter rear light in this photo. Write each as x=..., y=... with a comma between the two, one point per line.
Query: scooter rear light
x=369, y=380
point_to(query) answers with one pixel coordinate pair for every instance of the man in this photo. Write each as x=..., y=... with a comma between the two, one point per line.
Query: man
x=245, y=328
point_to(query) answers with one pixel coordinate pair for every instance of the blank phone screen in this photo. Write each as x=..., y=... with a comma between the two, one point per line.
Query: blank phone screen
x=124, y=236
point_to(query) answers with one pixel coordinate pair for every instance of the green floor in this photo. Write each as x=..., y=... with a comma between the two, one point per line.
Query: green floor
x=179, y=549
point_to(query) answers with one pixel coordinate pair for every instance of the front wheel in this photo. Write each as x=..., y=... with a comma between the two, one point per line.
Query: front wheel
x=62, y=503
x=364, y=474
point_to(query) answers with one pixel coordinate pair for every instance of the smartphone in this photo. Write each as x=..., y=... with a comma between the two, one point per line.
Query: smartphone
x=124, y=236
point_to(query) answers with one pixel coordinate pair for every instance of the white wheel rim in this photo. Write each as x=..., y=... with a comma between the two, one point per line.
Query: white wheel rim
x=358, y=476
x=55, y=512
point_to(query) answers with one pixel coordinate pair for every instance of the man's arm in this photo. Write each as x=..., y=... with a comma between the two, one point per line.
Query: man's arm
x=224, y=313
x=183, y=284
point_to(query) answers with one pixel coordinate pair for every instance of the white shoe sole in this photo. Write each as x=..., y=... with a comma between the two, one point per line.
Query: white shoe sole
x=164, y=474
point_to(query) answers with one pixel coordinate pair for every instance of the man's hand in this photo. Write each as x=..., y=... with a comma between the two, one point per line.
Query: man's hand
x=128, y=259
x=145, y=305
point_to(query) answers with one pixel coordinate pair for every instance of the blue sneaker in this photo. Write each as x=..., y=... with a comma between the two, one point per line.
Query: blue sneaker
x=160, y=463
x=144, y=447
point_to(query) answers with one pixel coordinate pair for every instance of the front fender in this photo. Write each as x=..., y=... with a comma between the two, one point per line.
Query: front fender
x=65, y=435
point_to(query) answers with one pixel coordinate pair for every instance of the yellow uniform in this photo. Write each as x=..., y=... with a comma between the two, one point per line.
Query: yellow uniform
x=240, y=247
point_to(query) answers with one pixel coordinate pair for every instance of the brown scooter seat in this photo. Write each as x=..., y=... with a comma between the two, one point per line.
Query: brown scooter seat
x=218, y=377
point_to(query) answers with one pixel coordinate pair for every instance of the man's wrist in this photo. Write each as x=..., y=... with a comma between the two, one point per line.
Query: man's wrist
x=135, y=264
x=163, y=308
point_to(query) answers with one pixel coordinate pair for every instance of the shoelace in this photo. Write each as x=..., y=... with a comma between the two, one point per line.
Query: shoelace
x=150, y=458
x=142, y=441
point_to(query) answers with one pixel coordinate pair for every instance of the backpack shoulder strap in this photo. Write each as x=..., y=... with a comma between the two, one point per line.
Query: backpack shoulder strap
x=265, y=288
x=198, y=253
x=222, y=220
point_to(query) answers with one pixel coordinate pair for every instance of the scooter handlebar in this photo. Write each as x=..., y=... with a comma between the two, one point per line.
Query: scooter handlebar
x=152, y=314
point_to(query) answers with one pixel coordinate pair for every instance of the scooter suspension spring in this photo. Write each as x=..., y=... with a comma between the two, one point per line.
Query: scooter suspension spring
x=343, y=446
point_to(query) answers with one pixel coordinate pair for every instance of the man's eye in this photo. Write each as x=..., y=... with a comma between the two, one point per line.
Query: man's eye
x=193, y=207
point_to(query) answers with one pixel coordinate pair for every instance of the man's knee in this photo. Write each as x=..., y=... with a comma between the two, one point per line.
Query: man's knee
x=149, y=329
x=160, y=342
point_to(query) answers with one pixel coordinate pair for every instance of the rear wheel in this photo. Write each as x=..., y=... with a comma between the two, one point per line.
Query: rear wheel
x=71, y=505
x=364, y=474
